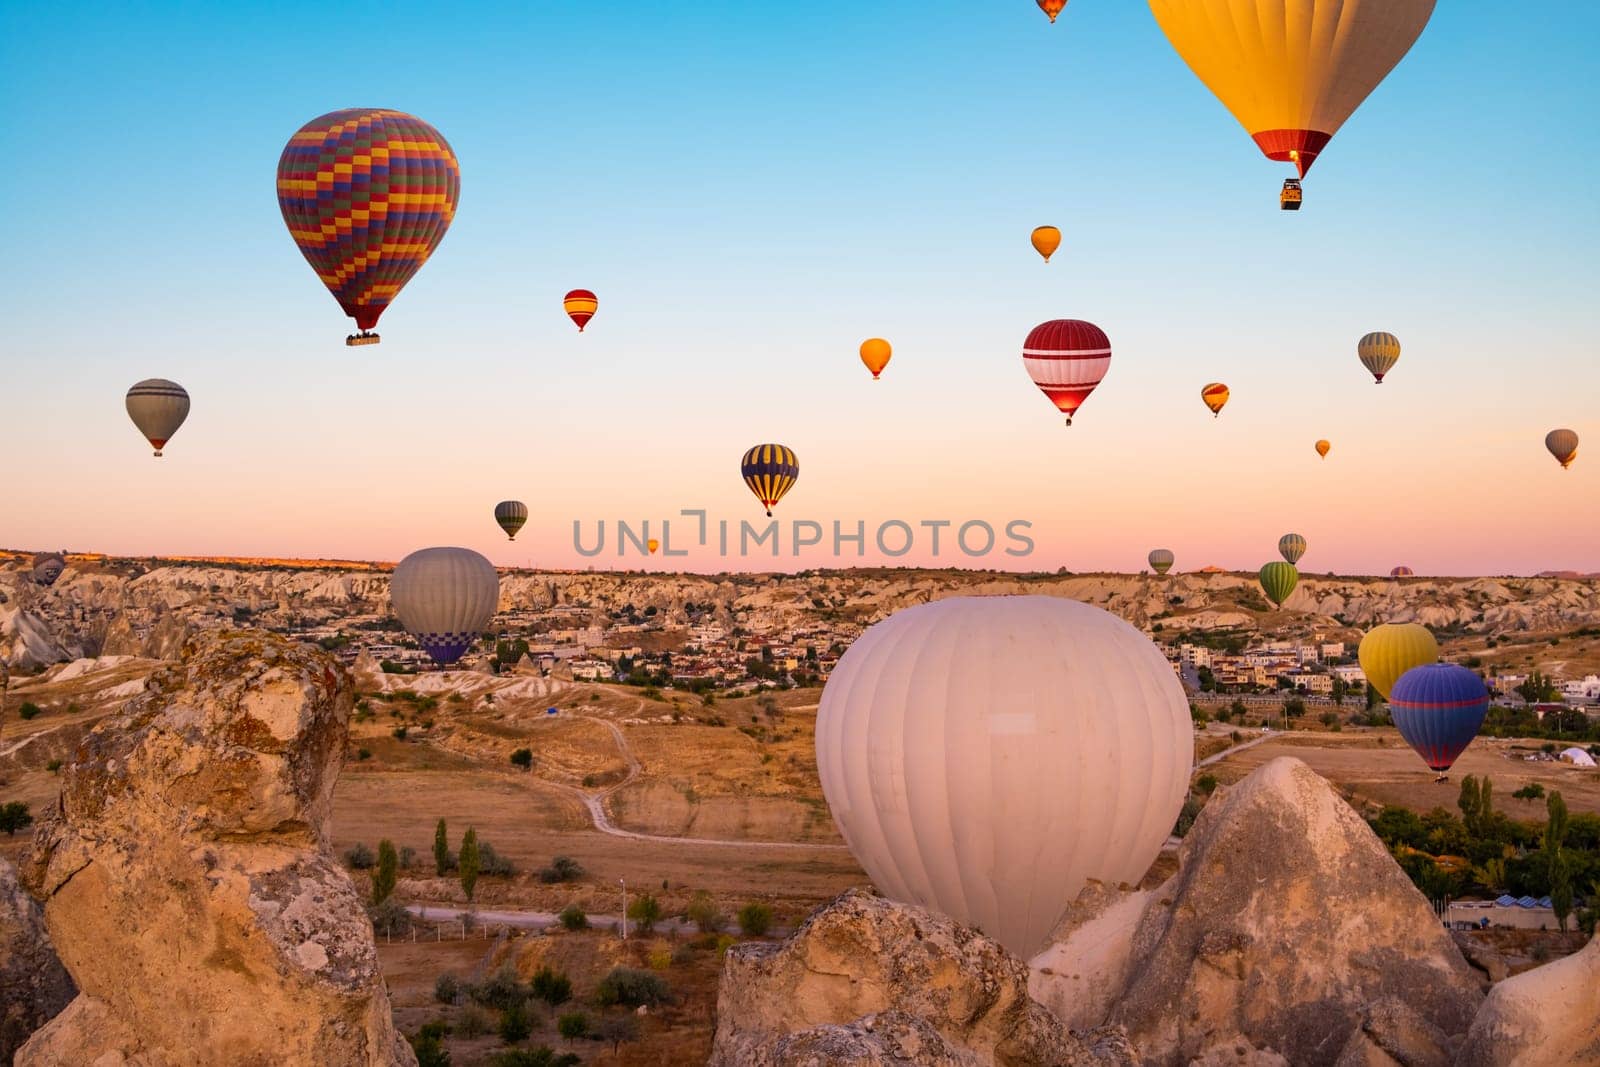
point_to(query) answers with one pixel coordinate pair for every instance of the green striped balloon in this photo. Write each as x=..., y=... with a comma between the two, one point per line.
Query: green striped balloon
x=1278, y=580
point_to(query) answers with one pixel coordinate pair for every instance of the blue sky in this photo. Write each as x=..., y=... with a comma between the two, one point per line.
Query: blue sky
x=753, y=189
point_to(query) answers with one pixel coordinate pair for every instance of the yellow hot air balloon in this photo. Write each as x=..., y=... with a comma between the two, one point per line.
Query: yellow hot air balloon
x=875, y=353
x=1563, y=444
x=1379, y=353
x=1292, y=71
x=653, y=544
x=1388, y=651
x=1322, y=449
x=1046, y=239
x=1215, y=395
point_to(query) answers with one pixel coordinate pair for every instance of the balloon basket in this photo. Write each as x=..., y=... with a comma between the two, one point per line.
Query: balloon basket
x=1290, y=198
x=363, y=338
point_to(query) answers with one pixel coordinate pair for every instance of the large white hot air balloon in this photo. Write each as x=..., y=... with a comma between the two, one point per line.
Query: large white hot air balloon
x=984, y=756
x=157, y=407
x=444, y=598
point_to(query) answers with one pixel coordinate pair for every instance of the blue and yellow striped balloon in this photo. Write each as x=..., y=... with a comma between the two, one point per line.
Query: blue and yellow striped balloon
x=770, y=471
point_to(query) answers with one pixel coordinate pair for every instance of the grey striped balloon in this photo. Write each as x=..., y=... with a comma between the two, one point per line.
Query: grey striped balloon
x=158, y=407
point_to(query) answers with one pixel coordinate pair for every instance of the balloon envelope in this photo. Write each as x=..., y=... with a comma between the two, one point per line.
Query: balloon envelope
x=770, y=471
x=512, y=515
x=1323, y=448
x=1052, y=8
x=1402, y=572
x=1563, y=444
x=1067, y=359
x=984, y=756
x=875, y=353
x=1046, y=239
x=1278, y=580
x=1161, y=560
x=653, y=544
x=444, y=597
x=1388, y=651
x=47, y=567
x=1215, y=396
x=367, y=194
x=1291, y=546
x=1379, y=353
x=157, y=407
x=580, y=306
x=1438, y=708
x=1292, y=71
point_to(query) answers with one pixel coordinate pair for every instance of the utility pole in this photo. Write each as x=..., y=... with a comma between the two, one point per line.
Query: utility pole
x=623, y=882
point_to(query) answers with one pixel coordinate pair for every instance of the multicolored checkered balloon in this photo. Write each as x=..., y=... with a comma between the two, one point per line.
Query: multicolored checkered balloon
x=367, y=194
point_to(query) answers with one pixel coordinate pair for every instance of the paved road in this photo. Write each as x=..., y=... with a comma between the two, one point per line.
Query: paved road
x=1225, y=753
x=543, y=920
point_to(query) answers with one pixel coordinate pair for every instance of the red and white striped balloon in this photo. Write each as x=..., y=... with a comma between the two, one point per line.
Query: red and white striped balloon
x=1067, y=358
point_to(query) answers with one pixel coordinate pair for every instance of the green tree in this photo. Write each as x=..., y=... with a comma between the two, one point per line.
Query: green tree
x=14, y=815
x=388, y=872
x=615, y=1029
x=573, y=917
x=441, y=849
x=430, y=1052
x=468, y=862
x=1373, y=699
x=552, y=986
x=1559, y=869
x=514, y=1023
x=573, y=1025
x=645, y=911
x=1341, y=689
x=1470, y=801
x=755, y=919
x=1561, y=889
x=702, y=911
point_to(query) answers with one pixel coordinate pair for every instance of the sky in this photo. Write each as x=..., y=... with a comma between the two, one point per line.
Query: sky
x=752, y=190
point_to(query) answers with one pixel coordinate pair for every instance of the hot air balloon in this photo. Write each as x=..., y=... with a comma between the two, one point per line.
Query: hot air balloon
x=653, y=544
x=1046, y=239
x=444, y=597
x=1379, y=353
x=770, y=471
x=984, y=756
x=1161, y=560
x=1291, y=546
x=1322, y=449
x=512, y=515
x=875, y=353
x=580, y=305
x=1067, y=358
x=1052, y=7
x=47, y=567
x=157, y=407
x=1563, y=444
x=1388, y=651
x=1402, y=571
x=1438, y=708
x=1215, y=396
x=367, y=194
x=1278, y=580
x=1292, y=71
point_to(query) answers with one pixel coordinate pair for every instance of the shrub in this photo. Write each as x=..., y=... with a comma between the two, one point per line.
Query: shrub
x=500, y=990
x=626, y=985
x=755, y=919
x=1531, y=791
x=447, y=989
x=363, y=754
x=645, y=911
x=561, y=869
x=390, y=918
x=574, y=918
x=702, y=911
x=430, y=1053
x=659, y=958
x=14, y=815
x=522, y=757
x=514, y=1024
x=573, y=1025
x=439, y=1029
x=552, y=987
x=28, y=710
x=1206, y=783
x=53, y=766
x=615, y=1029
x=472, y=1021
x=408, y=857
x=358, y=857
x=400, y=732
x=491, y=862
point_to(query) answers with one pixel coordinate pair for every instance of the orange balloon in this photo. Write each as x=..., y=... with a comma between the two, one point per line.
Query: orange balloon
x=1322, y=449
x=1046, y=239
x=654, y=544
x=1052, y=7
x=875, y=353
x=1215, y=395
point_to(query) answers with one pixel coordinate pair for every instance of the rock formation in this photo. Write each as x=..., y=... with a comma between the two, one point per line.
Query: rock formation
x=1288, y=932
x=33, y=984
x=186, y=878
x=866, y=981
x=1546, y=1017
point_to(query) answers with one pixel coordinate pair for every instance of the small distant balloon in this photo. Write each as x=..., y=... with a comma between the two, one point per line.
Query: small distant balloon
x=47, y=567
x=1563, y=444
x=1067, y=359
x=1379, y=353
x=512, y=515
x=653, y=544
x=1291, y=546
x=1215, y=396
x=157, y=407
x=1161, y=560
x=1388, y=651
x=1323, y=448
x=580, y=305
x=770, y=471
x=1046, y=239
x=1402, y=571
x=875, y=353
x=1278, y=580
x=1439, y=708
x=1052, y=8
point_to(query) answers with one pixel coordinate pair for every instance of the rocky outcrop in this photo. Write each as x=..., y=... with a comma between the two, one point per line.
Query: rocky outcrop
x=186, y=879
x=1546, y=1017
x=33, y=984
x=866, y=981
x=1288, y=932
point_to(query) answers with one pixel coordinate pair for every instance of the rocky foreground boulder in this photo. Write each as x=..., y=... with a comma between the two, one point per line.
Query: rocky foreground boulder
x=1546, y=1017
x=865, y=982
x=34, y=986
x=1288, y=932
x=186, y=878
